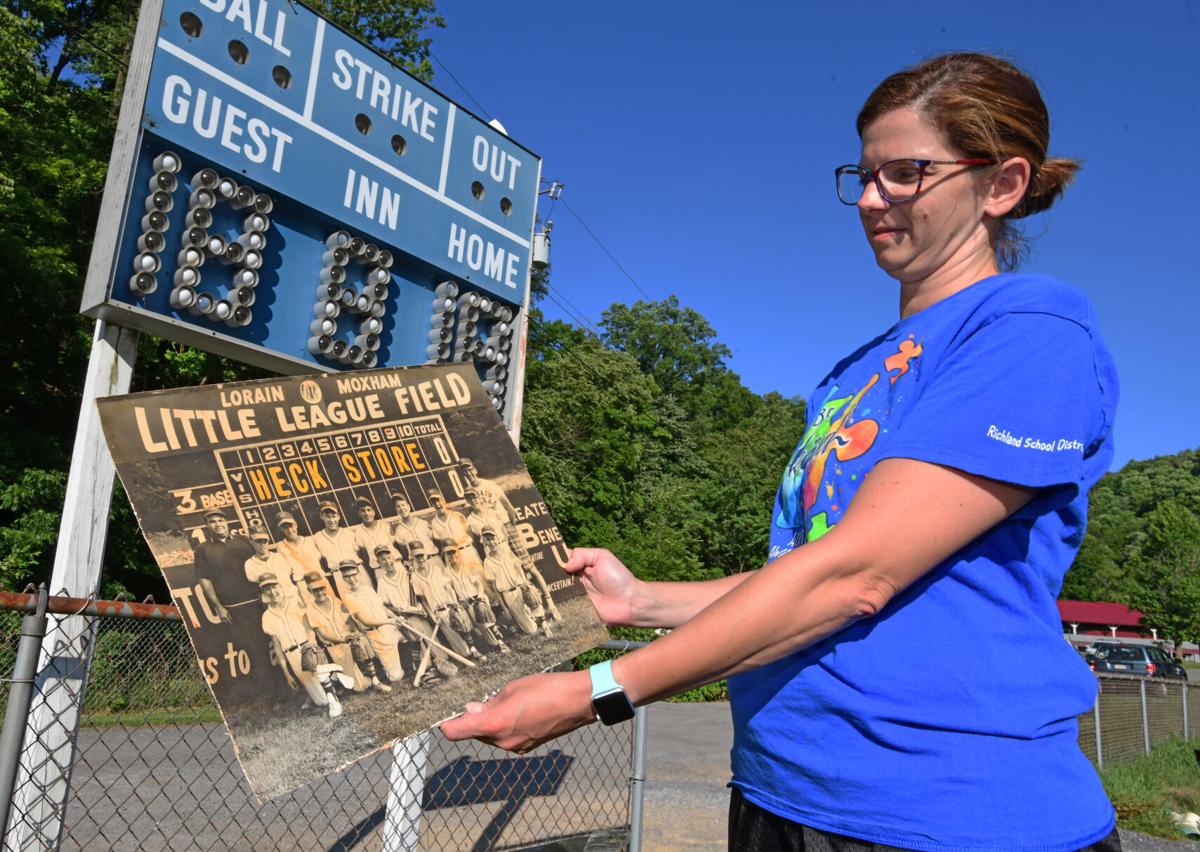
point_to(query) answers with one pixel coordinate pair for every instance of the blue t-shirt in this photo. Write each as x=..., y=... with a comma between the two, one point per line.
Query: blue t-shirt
x=947, y=721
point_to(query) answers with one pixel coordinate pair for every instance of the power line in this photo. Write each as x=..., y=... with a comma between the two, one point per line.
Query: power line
x=604, y=248
x=572, y=311
x=482, y=111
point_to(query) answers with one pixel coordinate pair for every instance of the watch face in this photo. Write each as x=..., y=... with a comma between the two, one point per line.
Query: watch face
x=613, y=707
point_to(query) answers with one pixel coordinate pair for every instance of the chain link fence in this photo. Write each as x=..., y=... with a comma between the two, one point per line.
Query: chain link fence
x=151, y=767
x=1133, y=714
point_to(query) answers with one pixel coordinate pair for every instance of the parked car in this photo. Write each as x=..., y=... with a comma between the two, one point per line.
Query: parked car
x=1145, y=660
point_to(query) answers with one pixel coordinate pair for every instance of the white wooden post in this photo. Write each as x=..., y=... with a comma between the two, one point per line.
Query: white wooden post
x=49, y=749
x=406, y=789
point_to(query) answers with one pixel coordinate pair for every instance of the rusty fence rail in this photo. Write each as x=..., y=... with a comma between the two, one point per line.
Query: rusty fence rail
x=151, y=766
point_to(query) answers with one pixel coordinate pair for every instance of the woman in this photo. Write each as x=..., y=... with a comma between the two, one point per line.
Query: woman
x=897, y=670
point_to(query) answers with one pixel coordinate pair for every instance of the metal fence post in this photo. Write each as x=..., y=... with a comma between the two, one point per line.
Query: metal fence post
x=406, y=786
x=1145, y=716
x=637, y=780
x=1184, y=691
x=1099, y=745
x=20, y=696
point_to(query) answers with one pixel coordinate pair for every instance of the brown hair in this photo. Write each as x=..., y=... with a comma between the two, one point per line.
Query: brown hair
x=987, y=107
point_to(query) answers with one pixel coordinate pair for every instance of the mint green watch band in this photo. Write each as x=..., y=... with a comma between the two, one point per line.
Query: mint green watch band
x=602, y=678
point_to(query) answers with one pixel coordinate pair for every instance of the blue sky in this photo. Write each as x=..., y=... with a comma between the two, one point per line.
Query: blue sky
x=699, y=145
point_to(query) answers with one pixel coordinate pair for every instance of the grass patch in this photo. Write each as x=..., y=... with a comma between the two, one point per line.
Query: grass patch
x=1145, y=790
x=134, y=719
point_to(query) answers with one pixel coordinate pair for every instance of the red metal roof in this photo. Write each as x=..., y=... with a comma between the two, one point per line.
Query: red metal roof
x=1099, y=612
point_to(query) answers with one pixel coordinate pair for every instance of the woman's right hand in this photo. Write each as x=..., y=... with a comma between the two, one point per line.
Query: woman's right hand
x=610, y=585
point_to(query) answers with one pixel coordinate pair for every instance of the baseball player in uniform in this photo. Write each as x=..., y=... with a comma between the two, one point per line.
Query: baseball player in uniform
x=375, y=620
x=332, y=625
x=433, y=591
x=285, y=623
x=334, y=543
x=407, y=527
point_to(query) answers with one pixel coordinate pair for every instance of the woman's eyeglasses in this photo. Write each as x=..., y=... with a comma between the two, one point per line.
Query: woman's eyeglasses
x=898, y=181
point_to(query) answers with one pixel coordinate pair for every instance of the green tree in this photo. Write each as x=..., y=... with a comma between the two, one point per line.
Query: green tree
x=1167, y=572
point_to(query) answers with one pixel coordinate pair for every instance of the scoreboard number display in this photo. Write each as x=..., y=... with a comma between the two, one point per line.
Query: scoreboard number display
x=282, y=194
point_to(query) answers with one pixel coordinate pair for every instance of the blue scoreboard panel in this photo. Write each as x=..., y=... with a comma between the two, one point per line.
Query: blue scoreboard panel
x=295, y=200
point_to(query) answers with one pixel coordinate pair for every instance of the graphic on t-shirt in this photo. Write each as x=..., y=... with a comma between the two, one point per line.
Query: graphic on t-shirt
x=899, y=361
x=789, y=504
x=833, y=433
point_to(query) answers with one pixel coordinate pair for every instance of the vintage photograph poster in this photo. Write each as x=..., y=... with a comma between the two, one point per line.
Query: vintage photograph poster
x=355, y=556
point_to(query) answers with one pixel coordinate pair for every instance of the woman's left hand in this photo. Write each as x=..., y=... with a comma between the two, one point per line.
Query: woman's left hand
x=527, y=712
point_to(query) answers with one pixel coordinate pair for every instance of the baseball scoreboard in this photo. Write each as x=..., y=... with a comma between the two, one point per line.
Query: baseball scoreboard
x=282, y=194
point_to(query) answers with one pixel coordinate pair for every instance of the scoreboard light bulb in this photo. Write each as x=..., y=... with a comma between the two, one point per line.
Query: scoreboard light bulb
x=329, y=292
x=155, y=220
x=160, y=201
x=263, y=203
x=369, y=359
x=488, y=353
x=143, y=283
x=502, y=328
x=379, y=275
x=241, y=316
x=498, y=402
x=348, y=297
x=356, y=246
x=243, y=198
x=199, y=217
x=253, y=240
x=202, y=197
x=338, y=239
x=223, y=309
x=496, y=374
x=505, y=314
x=243, y=295
x=469, y=315
x=167, y=161
x=378, y=291
x=504, y=344
x=501, y=358
x=466, y=329
x=470, y=300
x=462, y=357
x=437, y=351
x=256, y=222
x=165, y=181
x=327, y=310
x=444, y=305
x=440, y=320
x=333, y=274
x=227, y=188
x=439, y=335
x=385, y=259
x=245, y=278
x=371, y=342
x=446, y=290
x=151, y=241
x=485, y=305
x=338, y=350
x=372, y=325
x=203, y=305
x=182, y=298
x=322, y=326
x=335, y=257
x=147, y=262
x=252, y=259
x=234, y=253
x=189, y=256
x=354, y=354
x=320, y=345
x=205, y=179
x=196, y=237
x=362, y=304
x=186, y=277
x=378, y=309
x=215, y=245
x=370, y=252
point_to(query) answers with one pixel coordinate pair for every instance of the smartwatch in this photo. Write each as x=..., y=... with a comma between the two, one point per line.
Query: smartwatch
x=609, y=701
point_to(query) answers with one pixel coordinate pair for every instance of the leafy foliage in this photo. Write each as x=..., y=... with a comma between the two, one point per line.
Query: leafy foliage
x=654, y=448
x=1142, y=546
